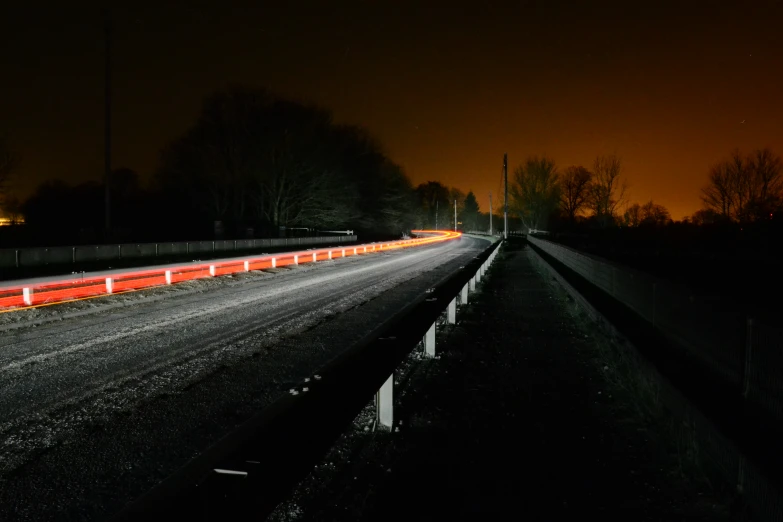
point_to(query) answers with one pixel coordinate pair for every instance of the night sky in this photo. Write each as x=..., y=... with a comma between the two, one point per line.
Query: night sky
x=447, y=90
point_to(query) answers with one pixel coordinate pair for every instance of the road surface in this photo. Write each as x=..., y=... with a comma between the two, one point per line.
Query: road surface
x=99, y=405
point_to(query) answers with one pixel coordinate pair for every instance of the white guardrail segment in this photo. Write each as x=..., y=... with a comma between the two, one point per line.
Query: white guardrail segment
x=384, y=396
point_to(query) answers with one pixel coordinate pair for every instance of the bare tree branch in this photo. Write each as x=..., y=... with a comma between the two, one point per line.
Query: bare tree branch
x=535, y=191
x=575, y=190
x=608, y=189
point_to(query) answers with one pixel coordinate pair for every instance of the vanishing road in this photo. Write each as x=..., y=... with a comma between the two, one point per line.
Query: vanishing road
x=99, y=401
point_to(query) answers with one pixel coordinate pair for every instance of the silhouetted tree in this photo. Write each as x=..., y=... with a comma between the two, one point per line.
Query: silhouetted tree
x=57, y=205
x=607, y=189
x=13, y=209
x=633, y=215
x=655, y=215
x=648, y=215
x=254, y=157
x=706, y=216
x=470, y=212
x=575, y=191
x=8, y=164
x=433, y=199
x=129, y=200
x=535, y=192
x=745, y=188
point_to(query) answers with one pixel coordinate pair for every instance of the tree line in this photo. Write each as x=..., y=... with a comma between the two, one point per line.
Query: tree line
x=543, y=197
x=255, y=163
x=743, y=188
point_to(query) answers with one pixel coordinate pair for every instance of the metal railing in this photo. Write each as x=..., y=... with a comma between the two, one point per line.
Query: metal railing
x=255, y=467
x=743, y=355
x=33, y=257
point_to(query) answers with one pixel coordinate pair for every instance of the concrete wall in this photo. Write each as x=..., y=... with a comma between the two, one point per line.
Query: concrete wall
x=30, y=257
x=758, y=489
x=746, y=352
x=707, y=326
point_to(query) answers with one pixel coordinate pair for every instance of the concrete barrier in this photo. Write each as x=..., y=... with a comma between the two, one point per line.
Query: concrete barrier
x=8, y=257
x=32, y=257
x=134, y=250
x=59, y=255
x=107, y=252
x=169, y=249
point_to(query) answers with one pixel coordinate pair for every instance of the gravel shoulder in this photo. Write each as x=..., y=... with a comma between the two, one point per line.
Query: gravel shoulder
x=521, y=416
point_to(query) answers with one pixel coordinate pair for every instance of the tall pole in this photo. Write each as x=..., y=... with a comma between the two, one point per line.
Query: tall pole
x=455, y=215
x=490, y=213
x=436, y=214
x=107, y=114
x=505, y=209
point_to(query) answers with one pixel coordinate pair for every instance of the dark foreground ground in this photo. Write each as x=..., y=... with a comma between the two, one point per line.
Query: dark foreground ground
x=528, y=413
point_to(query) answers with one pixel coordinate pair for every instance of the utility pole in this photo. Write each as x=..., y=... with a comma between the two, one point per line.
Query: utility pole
x=107, y=114
x=490, y=213
x=505, y=209
x=455, y=215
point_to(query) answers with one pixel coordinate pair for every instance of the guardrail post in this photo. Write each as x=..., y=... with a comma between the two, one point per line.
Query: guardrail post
x=313, y=257
x=27, y=296
x=463, y=297
x=384, y=401
x=168, y=277
x=452, y=313
x=343, y=252
x=247, y=266
x=365, y=250
x=296, y=260
x=212, y=270
x=354, y=251
x=429, y=341
x=109, y=285
x=330, y=254
x=274, y=263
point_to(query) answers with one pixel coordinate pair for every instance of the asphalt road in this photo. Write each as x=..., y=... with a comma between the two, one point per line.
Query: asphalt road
x=99, y=405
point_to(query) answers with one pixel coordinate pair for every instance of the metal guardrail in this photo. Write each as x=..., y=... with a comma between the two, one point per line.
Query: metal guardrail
x=32, y=257
x=744, y=354
x=255, y=467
